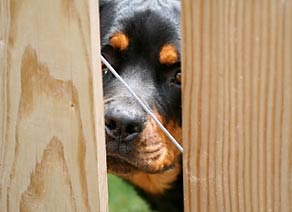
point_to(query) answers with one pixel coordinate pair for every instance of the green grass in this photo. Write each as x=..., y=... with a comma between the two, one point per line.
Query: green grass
x=123, y=197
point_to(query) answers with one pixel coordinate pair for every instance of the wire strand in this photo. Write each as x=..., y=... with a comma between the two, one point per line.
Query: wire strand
x=145, y=107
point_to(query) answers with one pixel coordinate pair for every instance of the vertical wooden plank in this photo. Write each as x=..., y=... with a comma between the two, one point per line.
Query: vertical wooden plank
x=52, y=153
x=237, y=105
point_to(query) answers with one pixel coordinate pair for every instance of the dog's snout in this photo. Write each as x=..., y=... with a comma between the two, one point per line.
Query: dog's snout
x=123, y=125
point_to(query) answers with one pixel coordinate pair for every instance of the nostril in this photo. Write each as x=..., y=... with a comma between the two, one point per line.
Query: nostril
x=111, y=124
x=132, y=128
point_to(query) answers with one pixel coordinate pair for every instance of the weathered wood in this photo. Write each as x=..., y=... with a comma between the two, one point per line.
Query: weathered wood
x=237, y=105
x=51, y=109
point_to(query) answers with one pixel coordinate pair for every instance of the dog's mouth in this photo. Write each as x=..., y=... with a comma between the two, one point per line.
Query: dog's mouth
x=122, y=166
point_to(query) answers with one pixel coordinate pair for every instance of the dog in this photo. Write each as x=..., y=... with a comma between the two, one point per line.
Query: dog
x=141, y=39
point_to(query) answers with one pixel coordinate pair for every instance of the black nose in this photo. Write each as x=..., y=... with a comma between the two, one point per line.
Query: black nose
x=123, y=125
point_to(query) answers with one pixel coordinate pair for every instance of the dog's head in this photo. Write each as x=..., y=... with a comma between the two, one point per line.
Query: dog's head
x=141, y=40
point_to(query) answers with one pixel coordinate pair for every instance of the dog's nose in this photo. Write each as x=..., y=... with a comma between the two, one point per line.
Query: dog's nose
x=123, y=125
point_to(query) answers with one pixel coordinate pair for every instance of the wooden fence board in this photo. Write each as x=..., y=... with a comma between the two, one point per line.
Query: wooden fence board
x=237, y=105
x=51, y=109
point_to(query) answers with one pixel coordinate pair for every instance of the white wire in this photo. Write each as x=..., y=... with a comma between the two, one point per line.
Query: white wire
x=145, y=107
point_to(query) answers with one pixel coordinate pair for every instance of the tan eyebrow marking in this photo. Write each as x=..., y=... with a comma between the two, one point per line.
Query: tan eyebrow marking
x=168, y=54
x=119, y=41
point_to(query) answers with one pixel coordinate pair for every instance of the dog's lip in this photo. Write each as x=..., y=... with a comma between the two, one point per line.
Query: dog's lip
x=119, y=159
x=125, y=166
x=120, y=166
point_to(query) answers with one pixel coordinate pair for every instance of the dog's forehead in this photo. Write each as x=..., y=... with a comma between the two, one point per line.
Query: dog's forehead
x=150, y=34
x=145, y=24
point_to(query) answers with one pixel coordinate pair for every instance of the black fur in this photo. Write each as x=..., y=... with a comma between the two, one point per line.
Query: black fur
x=149, y=24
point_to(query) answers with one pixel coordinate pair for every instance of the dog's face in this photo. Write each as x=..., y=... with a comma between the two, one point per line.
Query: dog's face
x=142, y=43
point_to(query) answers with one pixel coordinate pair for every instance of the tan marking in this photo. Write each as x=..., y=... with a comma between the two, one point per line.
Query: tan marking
x=157, y=183
x=168, y=54
x=119, y=41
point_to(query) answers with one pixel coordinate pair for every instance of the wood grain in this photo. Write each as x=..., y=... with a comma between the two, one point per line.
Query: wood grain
x=51, y=109
x=237, y=105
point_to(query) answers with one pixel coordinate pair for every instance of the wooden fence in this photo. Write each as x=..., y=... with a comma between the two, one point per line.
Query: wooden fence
x=237, y=106
x=51, y=109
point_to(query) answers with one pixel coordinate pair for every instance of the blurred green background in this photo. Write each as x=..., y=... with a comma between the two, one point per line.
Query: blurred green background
x=123, y=197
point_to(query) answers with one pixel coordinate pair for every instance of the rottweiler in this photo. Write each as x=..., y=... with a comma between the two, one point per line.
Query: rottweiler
x=141, y=39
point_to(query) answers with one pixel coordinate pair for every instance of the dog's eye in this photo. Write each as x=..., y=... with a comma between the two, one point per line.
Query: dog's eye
x=104, y=69
x=177, y=78
x=175, y=74
x=111, y=56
